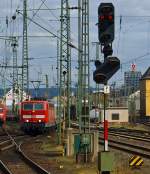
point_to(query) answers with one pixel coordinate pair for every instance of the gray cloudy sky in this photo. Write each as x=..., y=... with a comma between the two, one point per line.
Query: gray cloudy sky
x=131, y=39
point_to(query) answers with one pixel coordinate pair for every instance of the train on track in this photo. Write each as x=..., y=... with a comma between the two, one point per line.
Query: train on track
x=37, y=115
x=3, y=111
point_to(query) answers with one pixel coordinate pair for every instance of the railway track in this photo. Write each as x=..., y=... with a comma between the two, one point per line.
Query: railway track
x=135, y=144
x=15, y=161
x=127, y=140
x=4, y=169
x=129, y=131
x=146, y=124
x=130, y=136
x=100, y=128
x=7, y=143
x=130, y=148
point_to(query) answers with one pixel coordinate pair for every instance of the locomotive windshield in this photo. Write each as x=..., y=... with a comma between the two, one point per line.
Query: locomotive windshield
x=1, y=110
x=38, y=106
x=28, y=106
x=33, y=106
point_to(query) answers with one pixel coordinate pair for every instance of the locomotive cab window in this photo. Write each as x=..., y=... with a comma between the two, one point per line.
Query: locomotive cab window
x=115, y=116
x=1, y=110
x=28, y=106
x=38, y=106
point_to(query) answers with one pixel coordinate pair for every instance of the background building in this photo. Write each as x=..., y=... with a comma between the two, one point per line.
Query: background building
x=132, y=80
x=134, y=107
x=145, y=95
x=116, y=114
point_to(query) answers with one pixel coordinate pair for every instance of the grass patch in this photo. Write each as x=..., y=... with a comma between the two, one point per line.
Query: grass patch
x=47, y=147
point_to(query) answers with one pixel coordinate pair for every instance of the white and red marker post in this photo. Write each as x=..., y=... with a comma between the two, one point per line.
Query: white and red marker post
x=106, y=91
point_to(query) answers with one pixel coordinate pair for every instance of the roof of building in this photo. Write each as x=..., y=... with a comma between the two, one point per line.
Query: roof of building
x=146, y=75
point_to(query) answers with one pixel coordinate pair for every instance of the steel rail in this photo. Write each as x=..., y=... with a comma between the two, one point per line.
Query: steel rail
x=129, y=144
x=129, y=130
x=30, y=162
x=4, y=168
x=26, y=159
x=9, y=140
x=128, y=148
x=124, y=134
x=134, y=137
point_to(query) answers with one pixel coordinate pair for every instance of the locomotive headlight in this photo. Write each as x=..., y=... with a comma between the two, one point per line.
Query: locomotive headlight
x=27, y=121
x=39, y=121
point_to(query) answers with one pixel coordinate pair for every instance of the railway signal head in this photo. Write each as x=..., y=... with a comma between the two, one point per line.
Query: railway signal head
x=106, y=70
x=106, y=24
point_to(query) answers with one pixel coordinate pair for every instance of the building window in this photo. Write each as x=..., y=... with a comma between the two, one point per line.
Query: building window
x=115, y=116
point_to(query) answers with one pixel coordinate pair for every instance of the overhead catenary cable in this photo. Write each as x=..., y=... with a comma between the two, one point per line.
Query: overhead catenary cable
x=70, y=8
x=43, y=20
x=139, y=58
x=50, y=10
x=36, y=11
x=53, y=34
x=119, y=34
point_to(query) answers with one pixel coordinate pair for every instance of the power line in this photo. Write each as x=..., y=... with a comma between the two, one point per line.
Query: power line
x=136, y=59
x=46, y=22
x=53, y=34
x=43, y=9
x=37, y=11
x=50, y=10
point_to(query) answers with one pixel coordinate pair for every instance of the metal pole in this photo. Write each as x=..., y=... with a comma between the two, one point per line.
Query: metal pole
x=84, y=83
x=25, y=69
x=65, y=59
x=5, y=60
x=68, y=85
x=79, y=97
x=105, y=126
x=83, y=73
x=58, y=97
x=64, y=107
x=15, y=72
x=46, y=82
x=97, y=85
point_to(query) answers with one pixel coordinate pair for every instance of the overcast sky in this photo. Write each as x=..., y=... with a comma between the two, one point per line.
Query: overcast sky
x=132, y=36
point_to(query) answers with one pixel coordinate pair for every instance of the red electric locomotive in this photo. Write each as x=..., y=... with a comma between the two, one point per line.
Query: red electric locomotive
x=3, y=111
x=37, y=115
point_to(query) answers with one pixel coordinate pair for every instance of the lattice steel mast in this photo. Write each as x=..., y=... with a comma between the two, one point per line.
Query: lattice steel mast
x=15, y=70
x=65, y=63
x=58, y=97
x=83, y=60
x=97, y=87
x=25, y=69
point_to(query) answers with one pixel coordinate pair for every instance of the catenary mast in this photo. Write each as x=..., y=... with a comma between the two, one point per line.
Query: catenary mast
x=25, y=65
